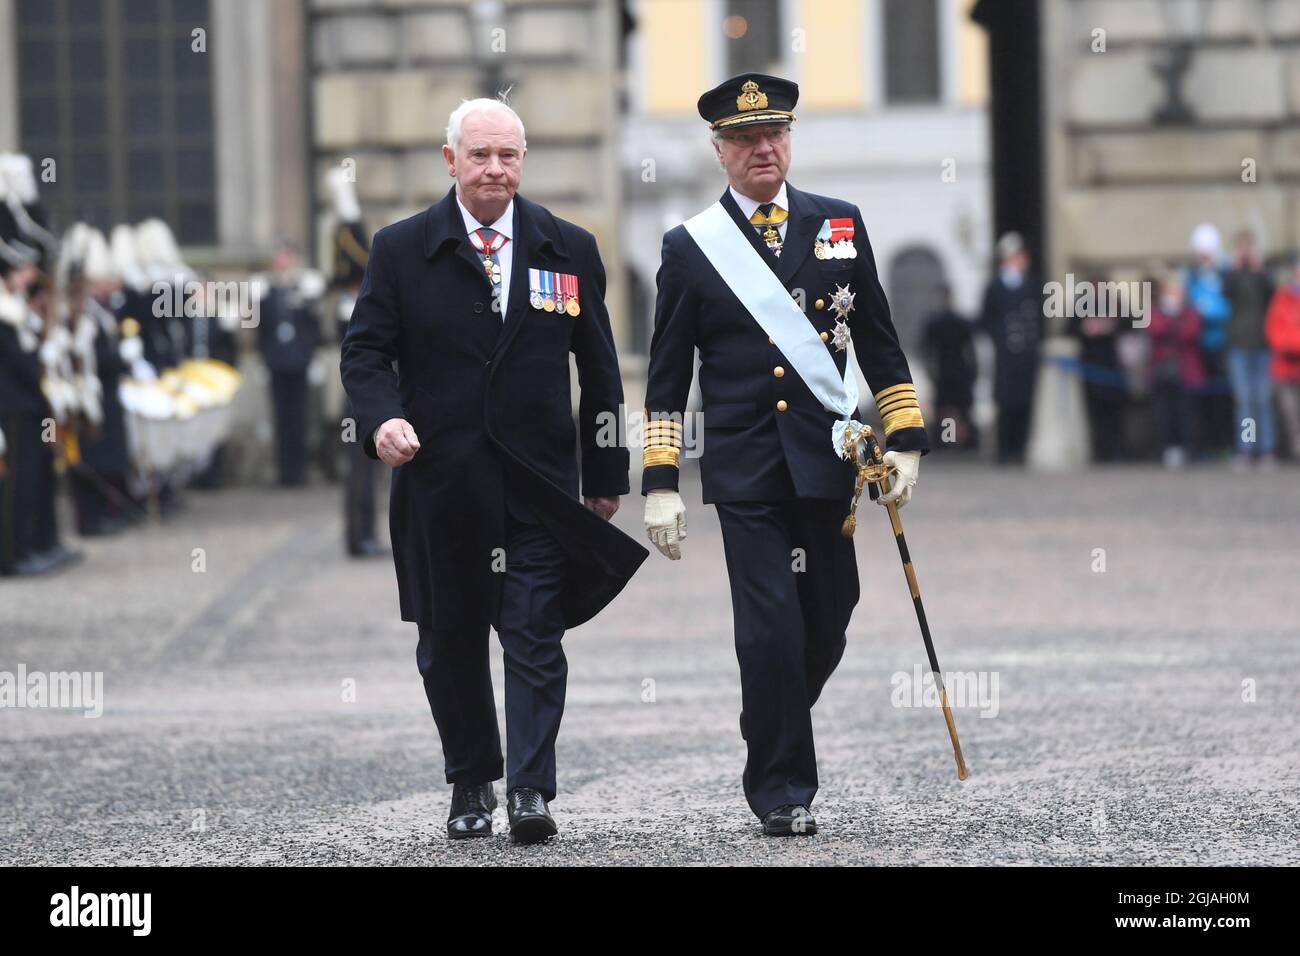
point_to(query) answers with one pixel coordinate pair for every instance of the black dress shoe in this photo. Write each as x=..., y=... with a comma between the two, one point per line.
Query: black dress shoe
x=530, y=820
x=789, y=820
x=471, y=810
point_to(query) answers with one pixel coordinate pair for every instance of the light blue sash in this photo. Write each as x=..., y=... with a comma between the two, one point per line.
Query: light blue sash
x=768, y=301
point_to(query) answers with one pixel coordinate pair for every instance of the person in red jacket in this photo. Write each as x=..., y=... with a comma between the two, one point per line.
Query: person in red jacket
x=1282, y=332
x=1176, y=371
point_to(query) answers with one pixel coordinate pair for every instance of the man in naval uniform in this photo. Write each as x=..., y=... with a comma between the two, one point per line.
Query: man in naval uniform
x=770, y=285
x=480, y=300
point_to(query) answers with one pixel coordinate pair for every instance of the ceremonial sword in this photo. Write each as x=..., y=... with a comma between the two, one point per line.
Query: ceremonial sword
x=874, y=474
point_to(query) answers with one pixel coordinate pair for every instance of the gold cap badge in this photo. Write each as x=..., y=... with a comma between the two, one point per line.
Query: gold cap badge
x=750, y=98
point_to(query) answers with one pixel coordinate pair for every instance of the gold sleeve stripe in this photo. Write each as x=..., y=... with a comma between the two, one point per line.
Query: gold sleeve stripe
x=659, y=455
x=663, y=441
x=897, y=401
x=901, y=387
x=905, y=419
x=899, y=408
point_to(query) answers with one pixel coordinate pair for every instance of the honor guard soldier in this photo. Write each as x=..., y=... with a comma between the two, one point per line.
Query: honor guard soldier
x=770, y=285
x=34, y=391
x=350, y=251
x=288, y=332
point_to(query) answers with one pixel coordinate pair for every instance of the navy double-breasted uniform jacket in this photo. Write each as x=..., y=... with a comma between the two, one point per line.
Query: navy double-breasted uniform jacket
x=765, y=437
x=490, y=403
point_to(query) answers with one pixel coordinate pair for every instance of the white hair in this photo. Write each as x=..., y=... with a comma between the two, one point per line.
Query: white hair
x=481, y=105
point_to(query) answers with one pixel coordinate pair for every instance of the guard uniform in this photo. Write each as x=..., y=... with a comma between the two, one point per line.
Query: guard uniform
x=288, y=333
x=351, y=252
x=767, y=459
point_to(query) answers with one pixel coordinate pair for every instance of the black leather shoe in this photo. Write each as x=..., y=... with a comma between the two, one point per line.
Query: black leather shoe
x=471, y=810
x=530, y=820
x=789, y=820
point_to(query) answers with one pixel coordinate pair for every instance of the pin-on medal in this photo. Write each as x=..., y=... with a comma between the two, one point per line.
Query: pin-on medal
x=841, y=305
x=535, y=288
x=572, y=307
x=548, y=291
x=821, y=247
x=835, y=240
x=559, y=294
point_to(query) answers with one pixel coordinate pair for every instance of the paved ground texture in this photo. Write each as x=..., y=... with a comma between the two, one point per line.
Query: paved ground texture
x=1145, y=707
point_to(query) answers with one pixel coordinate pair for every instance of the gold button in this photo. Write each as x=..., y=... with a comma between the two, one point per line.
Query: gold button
x=781, y=405
x=821, y=303
x=825, y=336
x=778, y=371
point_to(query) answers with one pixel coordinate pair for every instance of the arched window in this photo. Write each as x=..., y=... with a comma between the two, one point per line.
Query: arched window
x=914, y=274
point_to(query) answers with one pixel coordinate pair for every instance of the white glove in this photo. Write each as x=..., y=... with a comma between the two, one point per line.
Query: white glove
x=665, y=521
x=906, y=467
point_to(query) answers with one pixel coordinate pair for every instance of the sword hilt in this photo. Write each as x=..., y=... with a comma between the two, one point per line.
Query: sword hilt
x=871, y=471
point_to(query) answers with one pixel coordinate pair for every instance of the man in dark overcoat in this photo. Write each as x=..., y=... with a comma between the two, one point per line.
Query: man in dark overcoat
x=456, y=362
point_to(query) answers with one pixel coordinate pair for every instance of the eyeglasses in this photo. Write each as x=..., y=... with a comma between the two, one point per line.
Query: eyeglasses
x=748, y=139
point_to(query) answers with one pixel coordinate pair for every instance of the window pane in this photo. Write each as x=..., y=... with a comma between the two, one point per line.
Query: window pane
x=141, y=59
x=35, y=12
x=38, y=59
x=197, y=222
x=89, y=116
x=188, y=63
x=911, y=51
x=190, y=13
x=145, y=169
x=141, y=11
x=194, y=169
x=86, y=14
x=148, y=206
x=87, y=60
x=144, y=111
x=753, y=36
x=40, y=117
x=92, y=170
x=194, y=113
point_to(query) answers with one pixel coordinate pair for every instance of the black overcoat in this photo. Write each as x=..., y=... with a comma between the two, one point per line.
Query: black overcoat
x=490, y=402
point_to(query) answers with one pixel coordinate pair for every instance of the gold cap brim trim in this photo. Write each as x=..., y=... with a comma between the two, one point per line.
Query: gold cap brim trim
x=761, y=116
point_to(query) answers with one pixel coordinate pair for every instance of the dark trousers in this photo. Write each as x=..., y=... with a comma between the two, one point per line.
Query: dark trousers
x=458, y=683
x=1216, y=432
x=26, y=493
x=794, y=584
x=1175, y=414
x=289, y=397
x=1013, y=433
x=1105, y=406
x=358, y=493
